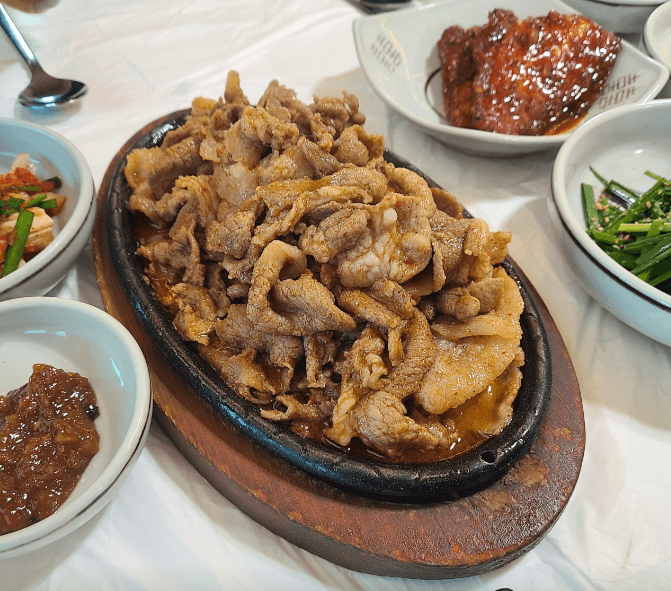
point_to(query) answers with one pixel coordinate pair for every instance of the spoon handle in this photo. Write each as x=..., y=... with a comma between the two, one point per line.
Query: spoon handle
x=17, y=39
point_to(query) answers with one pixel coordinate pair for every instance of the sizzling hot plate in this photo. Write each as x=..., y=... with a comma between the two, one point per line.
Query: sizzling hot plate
x=411, y=483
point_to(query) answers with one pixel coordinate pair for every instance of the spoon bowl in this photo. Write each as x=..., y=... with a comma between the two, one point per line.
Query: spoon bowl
x=44, y=90
x=47, y=91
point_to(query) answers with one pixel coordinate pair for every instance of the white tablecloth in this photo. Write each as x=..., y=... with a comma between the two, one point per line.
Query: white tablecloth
x=168, y=529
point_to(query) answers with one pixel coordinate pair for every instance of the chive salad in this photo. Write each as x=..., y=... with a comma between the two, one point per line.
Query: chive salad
x=634, y=230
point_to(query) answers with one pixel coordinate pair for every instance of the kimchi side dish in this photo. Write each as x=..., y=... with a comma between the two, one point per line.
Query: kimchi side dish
x=27, y=208
x=339, y=293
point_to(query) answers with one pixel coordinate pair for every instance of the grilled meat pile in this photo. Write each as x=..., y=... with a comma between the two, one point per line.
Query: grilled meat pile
x=338, y=292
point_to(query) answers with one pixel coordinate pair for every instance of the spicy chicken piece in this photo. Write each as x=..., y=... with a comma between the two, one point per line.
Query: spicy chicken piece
x=47, y=439
x=524, y=77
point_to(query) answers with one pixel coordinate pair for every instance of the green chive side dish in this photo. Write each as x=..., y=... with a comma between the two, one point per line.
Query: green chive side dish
x=634, y=230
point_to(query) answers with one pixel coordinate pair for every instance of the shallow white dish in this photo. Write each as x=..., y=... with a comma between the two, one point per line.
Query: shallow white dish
x=80, y=338
x=54, y=155
x=620, y=16
x=398, y=54
x=657, y=34
x=620, y=145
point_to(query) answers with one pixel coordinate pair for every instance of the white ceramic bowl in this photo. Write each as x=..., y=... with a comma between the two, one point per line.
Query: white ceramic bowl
x=79, y=338
x=54, y=156
x=657, y=34
x=621, y=145
x=620, y=16
x=398, y=54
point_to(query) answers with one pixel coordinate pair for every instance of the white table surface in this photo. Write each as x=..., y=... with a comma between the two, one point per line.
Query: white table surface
x=168, y=529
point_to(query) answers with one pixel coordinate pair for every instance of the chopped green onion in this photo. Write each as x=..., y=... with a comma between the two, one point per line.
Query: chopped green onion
x=14, y=252
x=37, y=201
x=11, y=205
x=640, y=244
x=636, y=236
x=622, y=258
x=591, y=214
x=603, y=237
x=636, y=209
x=653, y=256
x=655, y=281
x=14, y=204
x=49, y=204
x=642, y=227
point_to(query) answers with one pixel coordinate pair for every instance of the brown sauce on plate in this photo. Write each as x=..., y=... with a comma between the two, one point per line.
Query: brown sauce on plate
x=466, y=422
x=47, y=439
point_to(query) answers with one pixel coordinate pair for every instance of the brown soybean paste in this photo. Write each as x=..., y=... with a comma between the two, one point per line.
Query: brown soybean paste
x=47, y=438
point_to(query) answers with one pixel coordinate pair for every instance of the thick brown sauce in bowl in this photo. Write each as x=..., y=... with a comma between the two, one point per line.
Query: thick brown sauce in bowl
x=47, y=439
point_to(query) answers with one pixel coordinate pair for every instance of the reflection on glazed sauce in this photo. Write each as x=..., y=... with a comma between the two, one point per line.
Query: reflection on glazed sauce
x=565, y=126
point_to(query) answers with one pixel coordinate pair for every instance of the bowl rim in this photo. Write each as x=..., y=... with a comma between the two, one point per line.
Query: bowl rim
x=628, y=4
x=528, y=143
x=131, y=444
x=575, y=228
x=397, y=482
x=663, y=10
x=86, y=202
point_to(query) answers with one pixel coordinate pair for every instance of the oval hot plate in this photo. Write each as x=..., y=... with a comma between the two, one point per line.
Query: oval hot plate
x=453, y=478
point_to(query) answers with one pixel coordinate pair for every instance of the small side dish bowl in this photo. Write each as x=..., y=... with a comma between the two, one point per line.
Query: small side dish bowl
x=54, y=155
x=399, y=56
x=620, y=16
x=620, y=145
x=657, y=34
x=81, y=338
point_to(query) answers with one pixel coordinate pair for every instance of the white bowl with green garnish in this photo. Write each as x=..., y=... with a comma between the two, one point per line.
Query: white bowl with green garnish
x=622, y=145
x=52, y=156
x=76, y=338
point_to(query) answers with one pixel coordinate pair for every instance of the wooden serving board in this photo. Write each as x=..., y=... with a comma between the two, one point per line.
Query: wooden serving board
x=441, y=540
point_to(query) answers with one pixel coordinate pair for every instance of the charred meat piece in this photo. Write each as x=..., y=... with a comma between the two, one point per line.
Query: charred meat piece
x=524, y=77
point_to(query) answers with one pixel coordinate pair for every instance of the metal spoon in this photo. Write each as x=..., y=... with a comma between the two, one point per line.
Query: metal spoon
x=43, y=90
x=376, y=6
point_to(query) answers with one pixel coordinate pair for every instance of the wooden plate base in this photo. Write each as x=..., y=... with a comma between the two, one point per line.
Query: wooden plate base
x=443, y=540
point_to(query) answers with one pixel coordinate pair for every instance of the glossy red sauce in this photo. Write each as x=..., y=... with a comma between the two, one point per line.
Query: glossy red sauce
x=534, y=76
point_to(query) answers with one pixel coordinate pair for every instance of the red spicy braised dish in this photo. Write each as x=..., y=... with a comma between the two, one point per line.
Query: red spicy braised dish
x=534, y=76
x=47, y=439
